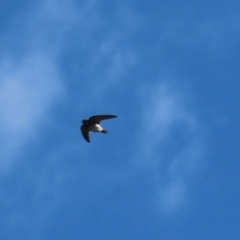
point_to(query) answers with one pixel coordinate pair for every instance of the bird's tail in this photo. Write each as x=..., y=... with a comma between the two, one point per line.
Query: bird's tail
x=104, y=131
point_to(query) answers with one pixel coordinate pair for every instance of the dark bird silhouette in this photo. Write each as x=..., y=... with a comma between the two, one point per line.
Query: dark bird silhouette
x=92, y=124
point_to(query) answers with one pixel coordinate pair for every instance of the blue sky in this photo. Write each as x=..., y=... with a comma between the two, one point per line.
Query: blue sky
x=169, y=166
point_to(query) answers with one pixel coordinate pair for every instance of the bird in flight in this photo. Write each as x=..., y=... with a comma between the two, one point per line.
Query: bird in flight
x=92, y=124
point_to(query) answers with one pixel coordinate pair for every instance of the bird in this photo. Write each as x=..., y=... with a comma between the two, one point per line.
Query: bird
x=93, y=124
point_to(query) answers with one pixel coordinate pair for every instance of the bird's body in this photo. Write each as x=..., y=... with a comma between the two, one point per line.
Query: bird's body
x=92, y=124
x=95, y=128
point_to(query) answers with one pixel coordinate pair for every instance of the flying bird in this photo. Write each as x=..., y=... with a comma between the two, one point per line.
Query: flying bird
x=92, y=124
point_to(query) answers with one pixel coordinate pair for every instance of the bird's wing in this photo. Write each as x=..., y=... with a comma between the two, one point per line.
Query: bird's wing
x=85, y=133
x=98, y=118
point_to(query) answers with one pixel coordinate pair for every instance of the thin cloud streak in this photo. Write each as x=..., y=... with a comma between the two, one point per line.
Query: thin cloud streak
x=28, y=91
x=164, y=150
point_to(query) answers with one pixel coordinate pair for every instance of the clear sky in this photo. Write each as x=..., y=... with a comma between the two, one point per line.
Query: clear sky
x=168, y=168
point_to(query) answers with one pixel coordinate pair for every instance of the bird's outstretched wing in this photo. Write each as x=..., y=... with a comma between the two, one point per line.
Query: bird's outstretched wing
x=98, y=118
x=85, y=133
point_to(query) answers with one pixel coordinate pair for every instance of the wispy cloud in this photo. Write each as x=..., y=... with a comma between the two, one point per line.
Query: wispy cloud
x=28, y=91
x=170, y=144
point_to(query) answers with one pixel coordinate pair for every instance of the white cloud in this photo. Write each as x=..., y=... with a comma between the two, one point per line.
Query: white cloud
x=28, y=90
x=170, y=144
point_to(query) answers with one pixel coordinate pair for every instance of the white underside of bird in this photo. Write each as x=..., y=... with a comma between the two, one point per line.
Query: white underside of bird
x=96, y=128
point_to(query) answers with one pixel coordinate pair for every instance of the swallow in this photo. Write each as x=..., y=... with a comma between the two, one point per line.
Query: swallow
x=92, y=124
